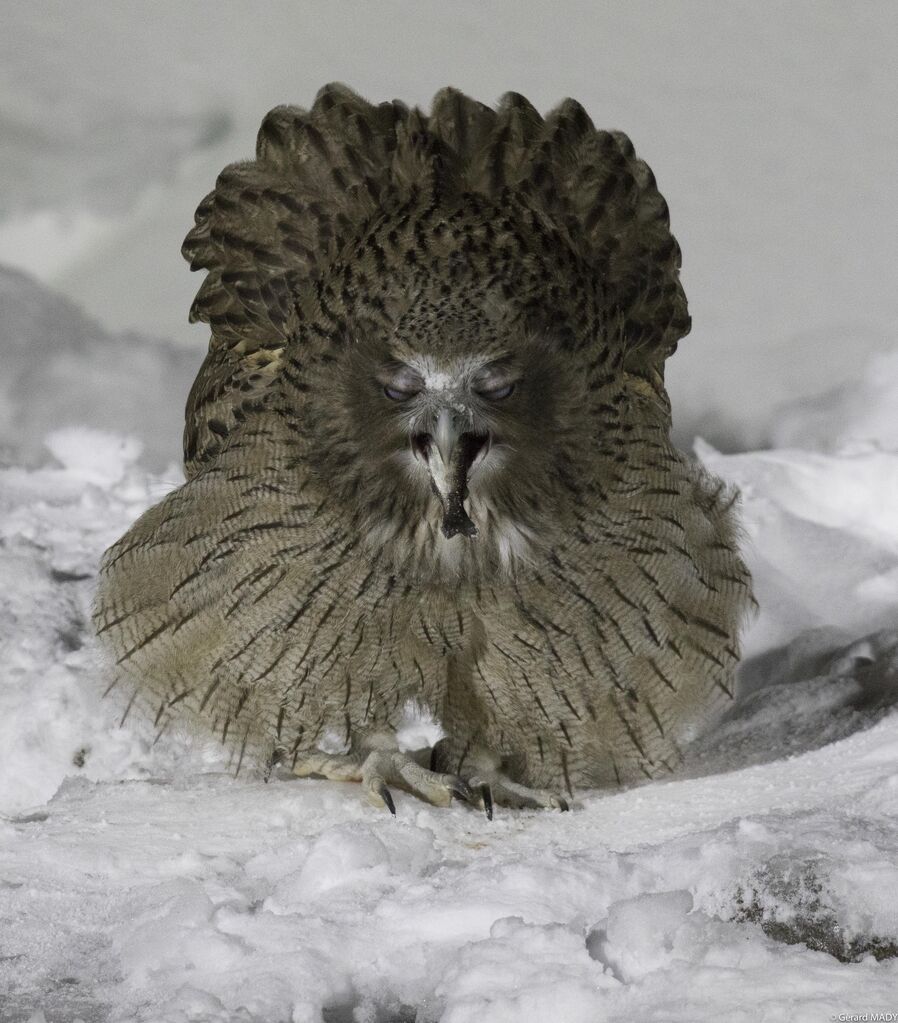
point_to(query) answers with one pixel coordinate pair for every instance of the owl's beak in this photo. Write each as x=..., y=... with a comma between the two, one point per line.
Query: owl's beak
x=449, y=453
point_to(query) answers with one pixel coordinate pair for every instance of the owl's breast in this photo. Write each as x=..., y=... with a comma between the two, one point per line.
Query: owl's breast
x=444, y=628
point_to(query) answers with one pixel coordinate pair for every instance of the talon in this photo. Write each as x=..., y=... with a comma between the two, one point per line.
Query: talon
x=487, y=796
x=384, y=794
x=460, y=789
x=563, y=805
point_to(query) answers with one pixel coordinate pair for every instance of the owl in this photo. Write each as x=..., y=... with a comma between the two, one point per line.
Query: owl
x=428, y=464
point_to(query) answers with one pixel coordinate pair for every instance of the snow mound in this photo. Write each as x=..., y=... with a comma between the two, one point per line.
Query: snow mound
x=60, y=369
x=822, y=538
x=55, y=523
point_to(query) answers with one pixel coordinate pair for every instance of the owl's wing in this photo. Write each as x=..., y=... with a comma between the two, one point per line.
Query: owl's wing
x=232, y=384
x=262, y=235
x=270, y=224
x=603, y=200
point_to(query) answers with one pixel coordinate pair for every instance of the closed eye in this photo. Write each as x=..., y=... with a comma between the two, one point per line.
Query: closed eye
x=497, y=393
x=395, y=394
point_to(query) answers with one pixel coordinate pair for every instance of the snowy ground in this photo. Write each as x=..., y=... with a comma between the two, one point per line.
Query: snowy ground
x=145, y=883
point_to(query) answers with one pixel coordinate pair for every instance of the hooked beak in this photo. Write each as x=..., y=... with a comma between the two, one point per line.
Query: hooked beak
x=449, y=452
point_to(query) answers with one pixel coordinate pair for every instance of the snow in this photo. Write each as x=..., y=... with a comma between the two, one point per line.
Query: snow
x=820, y=535
x=61, y=368
x=143, y=882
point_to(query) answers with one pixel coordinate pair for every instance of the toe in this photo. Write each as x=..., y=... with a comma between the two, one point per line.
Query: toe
x=401, y=769
x=378, y=793
x=497, y=788
x=460, y=788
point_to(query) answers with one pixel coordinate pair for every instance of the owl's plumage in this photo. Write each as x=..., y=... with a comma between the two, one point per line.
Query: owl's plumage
x=428, y=455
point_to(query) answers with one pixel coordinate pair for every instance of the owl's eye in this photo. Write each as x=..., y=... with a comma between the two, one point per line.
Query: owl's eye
x=497, y=393
x=395, y=394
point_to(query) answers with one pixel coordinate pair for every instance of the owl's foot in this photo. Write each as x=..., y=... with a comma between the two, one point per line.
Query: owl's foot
x=383, y=768
x=485, y=777
x=496, y=787
x=379, y=769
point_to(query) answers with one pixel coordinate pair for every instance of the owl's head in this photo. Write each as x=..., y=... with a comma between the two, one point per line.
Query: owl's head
x=447, y=423
x=452, y=420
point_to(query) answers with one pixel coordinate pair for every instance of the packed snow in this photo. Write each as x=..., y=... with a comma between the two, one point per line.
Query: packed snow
x=140, y=880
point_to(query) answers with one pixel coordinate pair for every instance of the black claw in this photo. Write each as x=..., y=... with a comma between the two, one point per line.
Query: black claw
x=563, y=805
x=487, y=796
x=384, y=794
x=461, y=790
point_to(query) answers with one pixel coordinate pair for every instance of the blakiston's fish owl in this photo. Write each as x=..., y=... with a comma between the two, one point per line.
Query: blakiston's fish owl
x=428, y=460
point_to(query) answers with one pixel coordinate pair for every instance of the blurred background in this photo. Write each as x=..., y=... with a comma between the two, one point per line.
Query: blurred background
x=771, y=129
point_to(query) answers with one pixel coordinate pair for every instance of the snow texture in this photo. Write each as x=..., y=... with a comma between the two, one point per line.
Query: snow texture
x=143, y=882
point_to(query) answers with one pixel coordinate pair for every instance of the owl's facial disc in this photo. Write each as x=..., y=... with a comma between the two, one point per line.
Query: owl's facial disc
x=449, y=453
x=449, y=408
